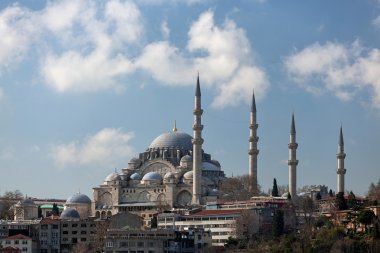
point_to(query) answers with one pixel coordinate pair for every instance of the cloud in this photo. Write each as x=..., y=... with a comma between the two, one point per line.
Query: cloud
x=96, y=69
x=344, y=69
x=220, y=53
x=85, y=46
x=15, y=30
x=106, y=147
x=165, y=30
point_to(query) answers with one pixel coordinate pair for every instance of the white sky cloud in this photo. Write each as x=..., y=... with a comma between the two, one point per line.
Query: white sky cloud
x=339, y=68
x=104, y=148
x=220, y=54
x=88, y=47
x=15, y=30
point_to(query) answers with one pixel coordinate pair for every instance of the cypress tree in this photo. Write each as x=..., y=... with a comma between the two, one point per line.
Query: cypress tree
x=275, y=188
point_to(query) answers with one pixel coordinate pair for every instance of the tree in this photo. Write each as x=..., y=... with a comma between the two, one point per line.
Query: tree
x=275, y=189
x=289, y=197
x=235, y=188
x=340, y=201
x=40, y=212
x=278, y=223
x=351, y=201
x=247, y=225
x=318, y=196
x=55, y=210
x=366, y=217
x=7, y=201
x=331, y=193
x=374, y=192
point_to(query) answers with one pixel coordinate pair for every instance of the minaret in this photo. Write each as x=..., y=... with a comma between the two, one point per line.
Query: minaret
x=341, y=171
x=197, y=147
x=292, y=162
x=253, y=151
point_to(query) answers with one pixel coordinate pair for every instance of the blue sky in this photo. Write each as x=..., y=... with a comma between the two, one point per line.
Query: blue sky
x=87, y=85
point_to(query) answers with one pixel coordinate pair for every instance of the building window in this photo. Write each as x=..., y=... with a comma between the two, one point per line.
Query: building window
x=74, y=232
x=74, y=225
x=16, y=241
x=140, y=244
x=82, y=239
x=24, y=249
x=64, y=225
x=55, y=226
x=24, y=242
x=83, y=225
x=83, y=232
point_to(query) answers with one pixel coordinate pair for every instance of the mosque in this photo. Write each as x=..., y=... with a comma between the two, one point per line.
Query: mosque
x=173, y=172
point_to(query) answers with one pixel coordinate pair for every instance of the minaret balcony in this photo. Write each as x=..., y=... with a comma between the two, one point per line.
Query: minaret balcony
x=341, y=171
x=198, y=141
x=253, y=126
x=253, y=152
x=253, y=139
x=197, y=127
x=198, y=112
x=293, y=145
x=341, y=155
x=292, y=162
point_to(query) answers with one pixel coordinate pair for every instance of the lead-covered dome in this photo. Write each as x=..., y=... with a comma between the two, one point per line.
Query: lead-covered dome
x=177, y=140
x=112, y=177
x=152, y=176
x=69, y=214
x=135, y=176
x=78, y=198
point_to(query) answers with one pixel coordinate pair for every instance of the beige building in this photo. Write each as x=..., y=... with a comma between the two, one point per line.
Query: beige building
x=168, y=174
x=22, y=242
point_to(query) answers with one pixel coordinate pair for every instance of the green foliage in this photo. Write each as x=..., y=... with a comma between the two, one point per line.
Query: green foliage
x=289, y=197
x=55, y=210
x=318, y=196
x=331, y=193
x=341, y=202
x=275, y=188
x=366, y=217
x=278, y=223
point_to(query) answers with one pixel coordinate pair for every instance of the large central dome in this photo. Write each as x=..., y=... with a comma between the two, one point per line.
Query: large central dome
x=177, y=140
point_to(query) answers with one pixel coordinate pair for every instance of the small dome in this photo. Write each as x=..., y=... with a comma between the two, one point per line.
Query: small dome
x=176, y=140
x=186, y=159
x=78, y=198
x=69, y=213
x=169, y=175
x=135, y=176
x=215, y=162
x=135, y=160
x=152, y=176
x=188, y=175
x=112, y=177
x=210, y=166
x=214, y=192
x=26, y=202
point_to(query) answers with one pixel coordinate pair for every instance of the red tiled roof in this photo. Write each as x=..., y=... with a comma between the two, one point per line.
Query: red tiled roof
x=50, y=220
x=216, y=212
x=18, y=237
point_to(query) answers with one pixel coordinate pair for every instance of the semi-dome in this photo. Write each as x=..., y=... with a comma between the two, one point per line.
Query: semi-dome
x=186, y=159
x=112, y=177
x=210, y=166
x=177, y=140
x=69, y=214
x=135, y=176
x=169, y=175
x=188, y=175
x=78, y=198
x=152, y=176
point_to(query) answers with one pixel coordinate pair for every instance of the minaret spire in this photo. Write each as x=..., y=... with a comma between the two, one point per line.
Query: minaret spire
x=341, y=171
x=253, y=151
x=197, y=147
x=293, y=162
x=175, y=126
